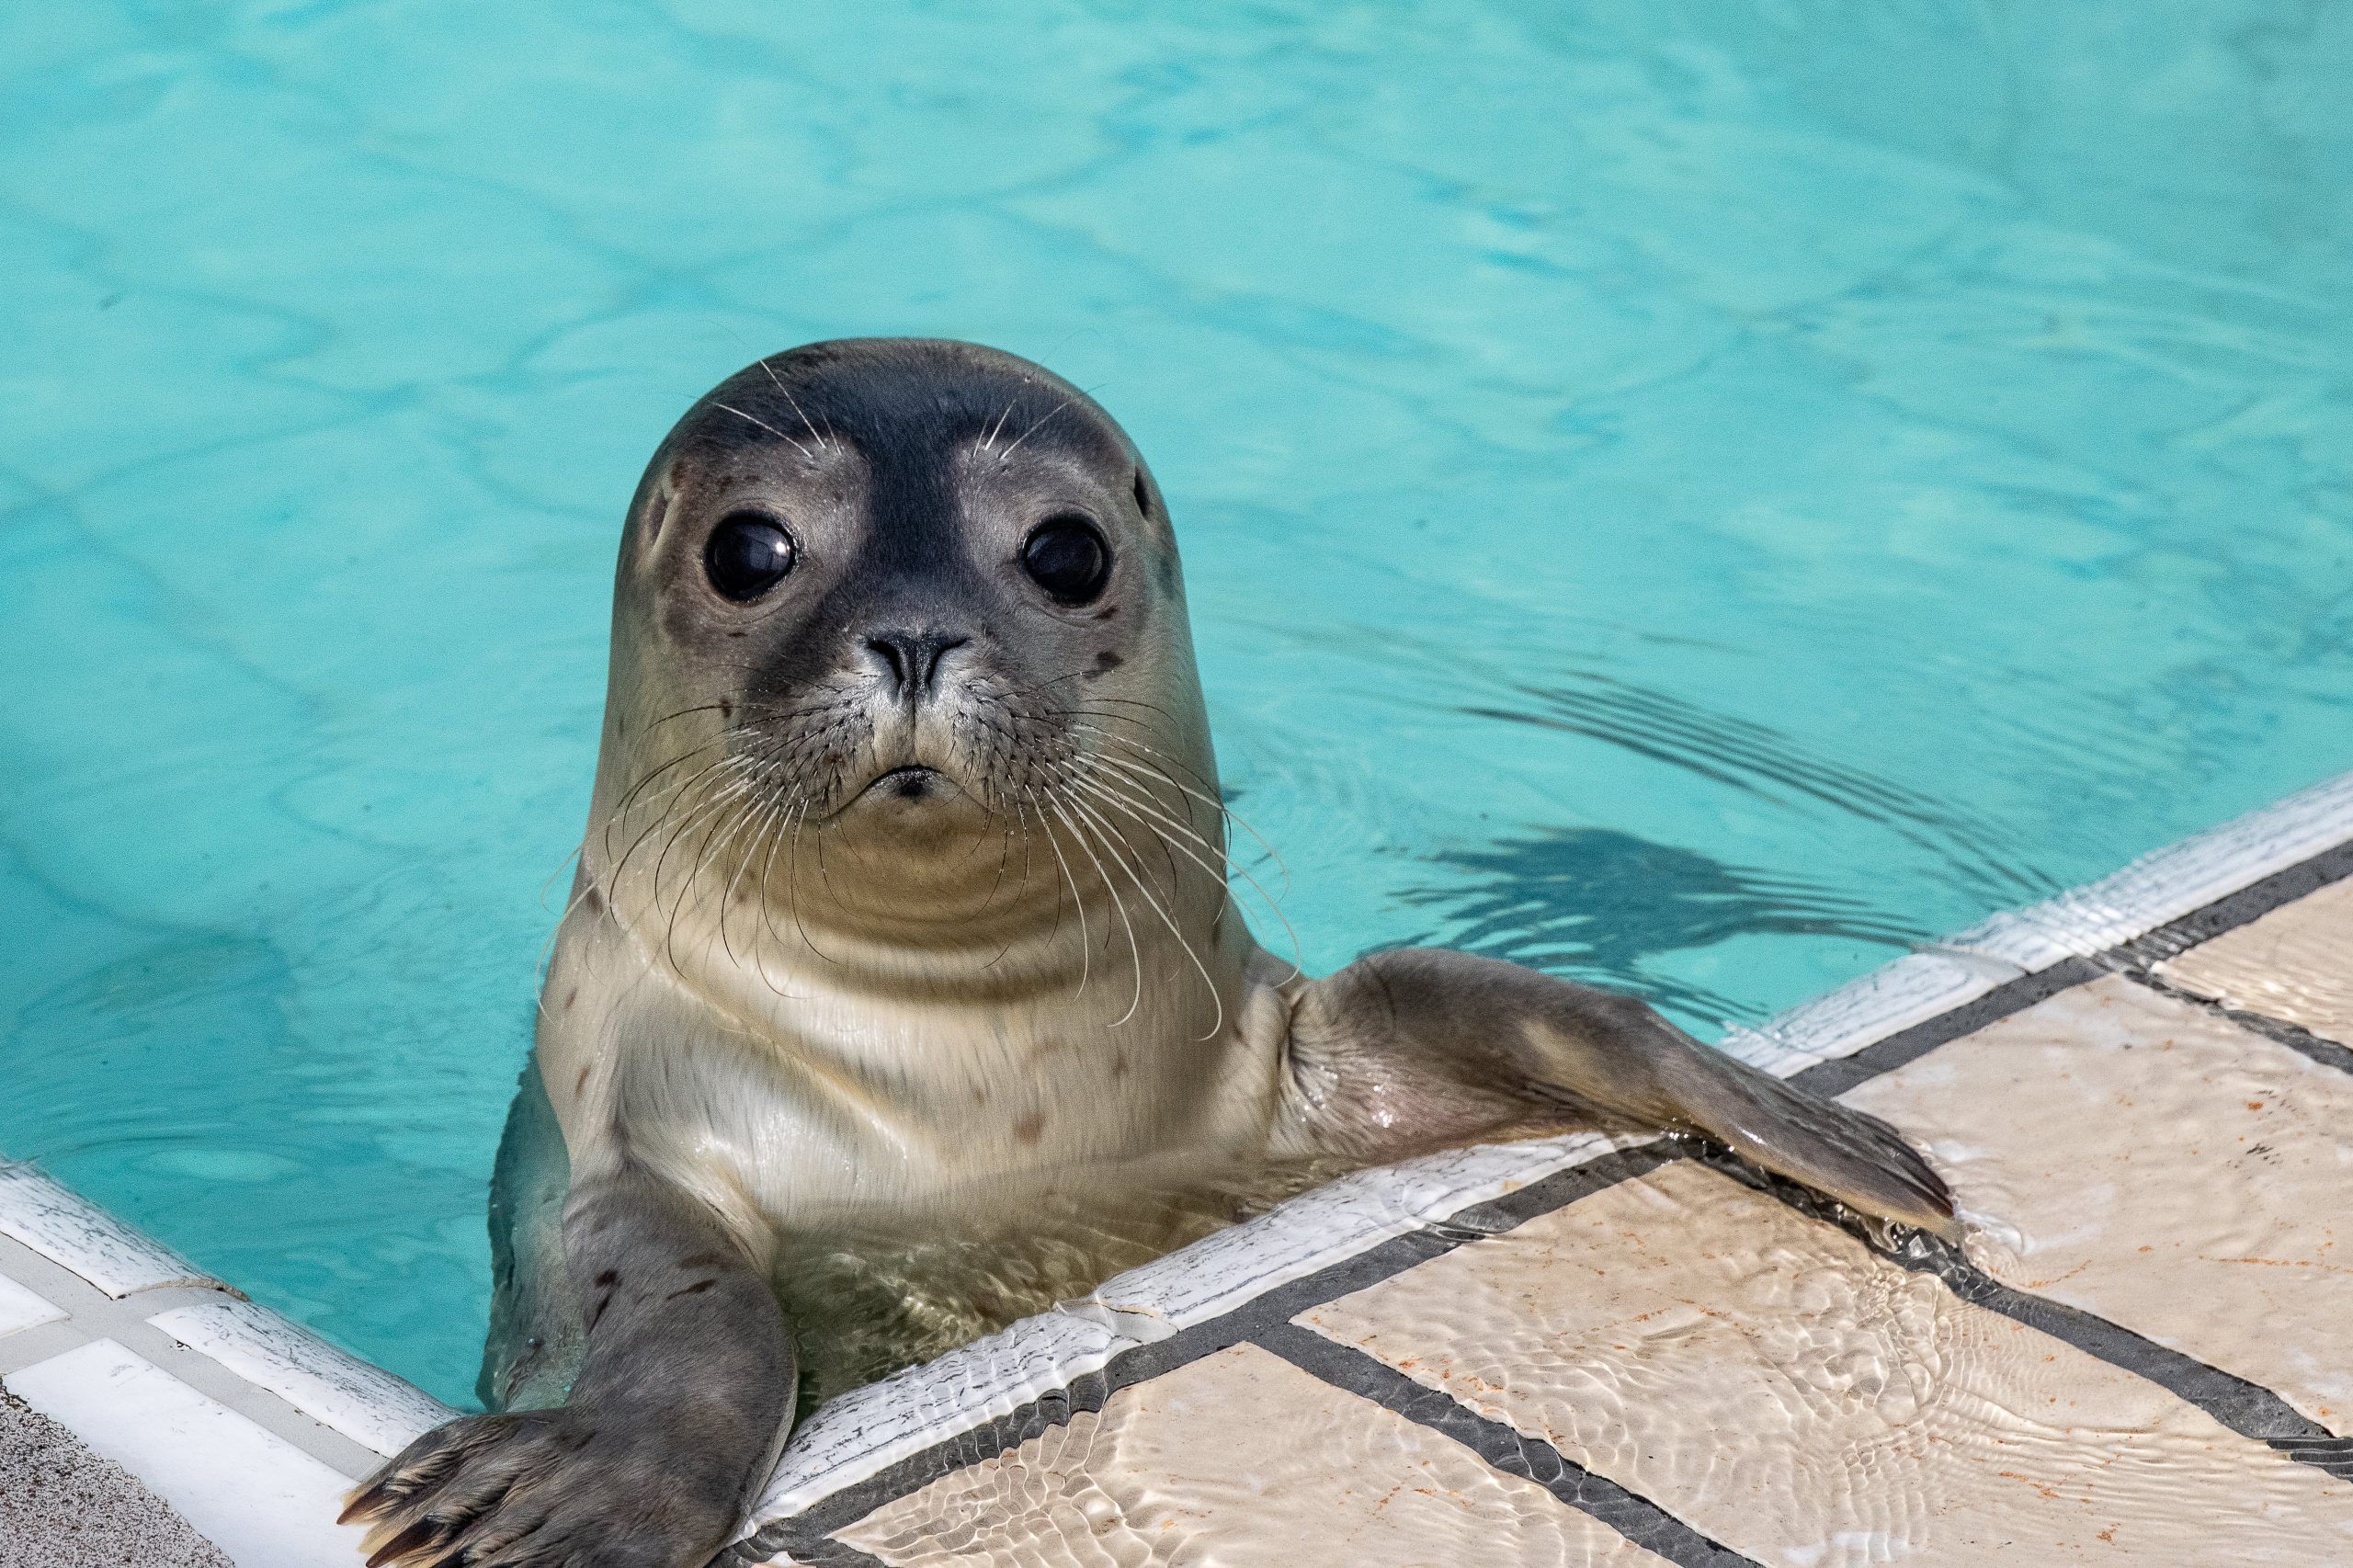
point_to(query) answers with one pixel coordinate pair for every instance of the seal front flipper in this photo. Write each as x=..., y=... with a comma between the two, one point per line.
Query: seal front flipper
x=1462, y=1046
x=684, y=1396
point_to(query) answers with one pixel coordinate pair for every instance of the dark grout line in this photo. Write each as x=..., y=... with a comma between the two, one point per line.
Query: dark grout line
x=2267, y=1417
x=1504, y=1448
x=2244, y=907
x=1835, y=1077
x=2247, y=1408
x=805, y=1547
x=2328, y=1053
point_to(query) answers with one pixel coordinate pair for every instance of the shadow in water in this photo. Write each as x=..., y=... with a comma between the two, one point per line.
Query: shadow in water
x=1602, y=906
x=1755, y=759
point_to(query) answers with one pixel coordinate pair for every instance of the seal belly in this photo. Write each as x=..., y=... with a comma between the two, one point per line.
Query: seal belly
x=867, y=1299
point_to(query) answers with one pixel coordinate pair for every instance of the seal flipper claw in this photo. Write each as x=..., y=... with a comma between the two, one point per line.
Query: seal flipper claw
x=1841, y=1152
x=682, y=1398
x=618, y=1484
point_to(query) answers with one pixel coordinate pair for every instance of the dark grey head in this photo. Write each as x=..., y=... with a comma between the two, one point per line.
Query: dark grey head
x=904, y=588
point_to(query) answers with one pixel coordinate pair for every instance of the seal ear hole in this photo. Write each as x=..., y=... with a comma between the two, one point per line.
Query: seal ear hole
x=1143, y=495
x=658, y=514
x=662, y=503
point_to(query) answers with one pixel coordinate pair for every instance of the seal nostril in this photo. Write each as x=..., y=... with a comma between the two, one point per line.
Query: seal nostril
x=889, y=648
x=913, y=659
x=938, y=650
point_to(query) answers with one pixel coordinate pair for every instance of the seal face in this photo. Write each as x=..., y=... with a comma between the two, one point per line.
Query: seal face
x=901, y=993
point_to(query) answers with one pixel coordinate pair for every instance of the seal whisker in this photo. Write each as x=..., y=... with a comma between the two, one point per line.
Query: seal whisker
x=1135, y=952
x=683, y=712
x=793, y=888
x=741, y=792
x=621, y=808
x=1004, y=853
x=1212, y=802
x=730, y=796
x=788, y=819
x=988, y=442
x=1135, y=876
x=1132, y=788
x=726, y=737
x=724, y=790
x=767, y=812
x=748, y=821
x=1077, y=899
x=1006, y=945
x=1083, y=712
x=570, y=903
x=1058, y=889
x=661, y=818
x=1008, y=453
x=1232, y=815
x=746, y=801
x=1076, y=720
x=807, y=422
x=569, y=856
x=1103, y=788
x=806, y=455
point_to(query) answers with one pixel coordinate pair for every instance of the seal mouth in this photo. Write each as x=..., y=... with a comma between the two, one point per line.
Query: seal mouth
x=910, y=781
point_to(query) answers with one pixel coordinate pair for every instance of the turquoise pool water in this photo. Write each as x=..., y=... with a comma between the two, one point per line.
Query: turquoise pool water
x=1701, y=500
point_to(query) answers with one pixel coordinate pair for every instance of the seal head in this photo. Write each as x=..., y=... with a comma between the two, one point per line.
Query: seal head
x=916, y=599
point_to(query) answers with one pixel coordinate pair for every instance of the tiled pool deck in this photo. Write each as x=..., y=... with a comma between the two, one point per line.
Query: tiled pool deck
x=1584, y=1349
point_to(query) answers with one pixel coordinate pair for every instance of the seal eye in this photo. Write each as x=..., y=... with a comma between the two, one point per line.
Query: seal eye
x=748, y=555
x=1067, y=557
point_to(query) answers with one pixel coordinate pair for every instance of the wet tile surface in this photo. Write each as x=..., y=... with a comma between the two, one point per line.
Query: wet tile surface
x=2294, y=963
x=1238, y=1459
x=2141, y=1158
x=1766, y=1378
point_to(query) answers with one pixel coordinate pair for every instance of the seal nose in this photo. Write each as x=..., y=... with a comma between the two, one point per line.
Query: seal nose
x=912, y=659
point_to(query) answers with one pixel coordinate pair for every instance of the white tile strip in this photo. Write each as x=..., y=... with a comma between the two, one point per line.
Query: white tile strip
x=1912, y=990
x=366, y=1404
x=2172, y=881
x=76, y=1234
x=20, y=1308
x=1337, y=1220
x=257, y=1497
x=871, y=1428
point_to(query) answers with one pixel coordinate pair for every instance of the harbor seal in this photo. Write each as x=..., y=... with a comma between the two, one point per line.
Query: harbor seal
x=901, y=992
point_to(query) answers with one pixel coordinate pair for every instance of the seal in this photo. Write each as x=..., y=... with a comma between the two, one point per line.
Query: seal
x=902, y=993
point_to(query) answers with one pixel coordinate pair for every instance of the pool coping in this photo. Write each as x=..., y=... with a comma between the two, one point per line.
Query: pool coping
x=89, y=1279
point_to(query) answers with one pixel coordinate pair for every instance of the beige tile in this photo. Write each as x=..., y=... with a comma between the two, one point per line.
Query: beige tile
x=1243, y=1460
x=2294, y=963
x=2139, y=1158
x=1772, y=1382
